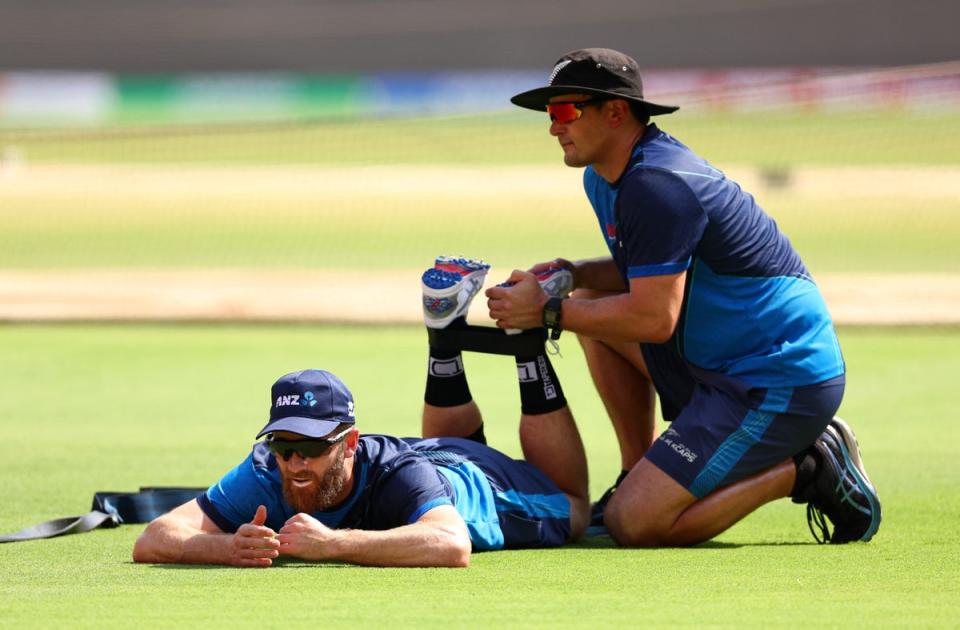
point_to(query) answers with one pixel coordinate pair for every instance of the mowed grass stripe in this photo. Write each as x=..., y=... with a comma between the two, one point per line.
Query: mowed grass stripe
x=772, y=139
x=113, y=407
x=370, y=229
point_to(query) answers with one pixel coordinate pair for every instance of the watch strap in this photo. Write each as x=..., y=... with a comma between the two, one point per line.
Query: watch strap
x=551, y=316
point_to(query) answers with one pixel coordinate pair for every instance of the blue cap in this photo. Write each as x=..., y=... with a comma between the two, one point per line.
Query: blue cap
x=312, y=403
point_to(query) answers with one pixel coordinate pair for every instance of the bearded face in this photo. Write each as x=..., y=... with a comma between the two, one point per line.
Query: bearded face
x=308, y=492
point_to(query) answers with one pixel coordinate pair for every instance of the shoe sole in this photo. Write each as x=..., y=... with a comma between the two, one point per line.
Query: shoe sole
x=438, y=281
x=461, y=285
x=558, y=284
x=458, y=264
x=851, y=455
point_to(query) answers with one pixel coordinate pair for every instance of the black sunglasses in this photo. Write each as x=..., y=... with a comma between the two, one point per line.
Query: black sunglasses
x=304, y=448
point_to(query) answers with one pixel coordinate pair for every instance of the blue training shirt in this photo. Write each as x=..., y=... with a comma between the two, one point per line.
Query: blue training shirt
x=751, y=310
x=504, y=502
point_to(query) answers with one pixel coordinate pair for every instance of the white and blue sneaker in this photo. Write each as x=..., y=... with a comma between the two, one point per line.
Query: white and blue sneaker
x=449, y=287
x=555, y=281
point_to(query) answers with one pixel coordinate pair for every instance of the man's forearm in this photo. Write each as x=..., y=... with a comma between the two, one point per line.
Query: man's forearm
x=187, y=535
x=615, y=318
x=415, y=545
x=174, y=542
x=648, y=312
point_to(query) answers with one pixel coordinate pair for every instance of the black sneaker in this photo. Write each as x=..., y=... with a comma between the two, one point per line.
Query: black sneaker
x=841, y=490
x=596, y=510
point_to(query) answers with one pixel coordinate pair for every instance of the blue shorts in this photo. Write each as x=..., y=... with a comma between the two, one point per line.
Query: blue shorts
x=506, y=503
x=726, y=433
x=533, y=511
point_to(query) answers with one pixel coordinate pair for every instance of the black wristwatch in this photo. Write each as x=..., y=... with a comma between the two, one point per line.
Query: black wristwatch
x=551, y=316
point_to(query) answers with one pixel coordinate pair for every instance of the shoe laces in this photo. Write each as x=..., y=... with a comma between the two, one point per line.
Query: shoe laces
x=815, y=518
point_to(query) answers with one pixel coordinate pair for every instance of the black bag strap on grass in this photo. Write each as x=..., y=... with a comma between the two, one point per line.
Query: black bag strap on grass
x=111, y=509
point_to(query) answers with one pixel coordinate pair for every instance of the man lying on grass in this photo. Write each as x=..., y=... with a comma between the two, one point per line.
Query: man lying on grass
x=315, y=489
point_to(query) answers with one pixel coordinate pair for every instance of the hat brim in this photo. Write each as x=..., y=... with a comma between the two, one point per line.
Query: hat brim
x=537, y=99
x=307, y=427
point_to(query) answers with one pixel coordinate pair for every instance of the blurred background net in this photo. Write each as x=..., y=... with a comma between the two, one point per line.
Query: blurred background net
x=318, y=182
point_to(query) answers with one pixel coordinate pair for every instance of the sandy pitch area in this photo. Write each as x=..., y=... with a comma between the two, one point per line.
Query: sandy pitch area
x=189, y=183
x=383, y=297
x=393, y=296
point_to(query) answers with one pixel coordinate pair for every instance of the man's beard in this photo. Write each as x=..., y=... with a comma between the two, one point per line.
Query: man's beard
x=322, y=493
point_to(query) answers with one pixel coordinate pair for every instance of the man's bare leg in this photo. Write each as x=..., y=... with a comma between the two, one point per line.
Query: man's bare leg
x=457, y=421
x=650, y=509
x=623, y=383
x=551, y=442
x=626, y=391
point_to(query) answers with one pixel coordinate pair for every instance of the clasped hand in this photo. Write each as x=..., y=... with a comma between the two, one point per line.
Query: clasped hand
x=520, y=305
x=302, y=536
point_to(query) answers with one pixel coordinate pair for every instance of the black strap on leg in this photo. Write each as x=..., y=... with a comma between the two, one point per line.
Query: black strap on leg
x=488, y=340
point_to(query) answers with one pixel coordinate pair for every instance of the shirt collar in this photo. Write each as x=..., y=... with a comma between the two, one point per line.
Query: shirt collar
x=651, y=132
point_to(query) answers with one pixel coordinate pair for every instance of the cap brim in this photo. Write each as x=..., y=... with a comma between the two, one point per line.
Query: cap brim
x=307, y=427
x=537, y=99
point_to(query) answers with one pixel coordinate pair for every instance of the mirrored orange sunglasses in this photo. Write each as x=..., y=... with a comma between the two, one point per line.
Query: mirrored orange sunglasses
x=567, y=112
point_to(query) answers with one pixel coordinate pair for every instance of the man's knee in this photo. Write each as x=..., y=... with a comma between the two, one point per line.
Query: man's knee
x=613, y=355
x=645, y=507
x=629, y=529
x=588, y=343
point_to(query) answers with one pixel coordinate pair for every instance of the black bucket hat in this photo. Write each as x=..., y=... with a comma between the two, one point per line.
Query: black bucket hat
x=600, y=71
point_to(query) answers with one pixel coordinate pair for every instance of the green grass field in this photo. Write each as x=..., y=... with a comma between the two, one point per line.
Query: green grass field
x=114, y=220
x=516, y=137
x=90, y=408
x=890, y=234
x=114, y=407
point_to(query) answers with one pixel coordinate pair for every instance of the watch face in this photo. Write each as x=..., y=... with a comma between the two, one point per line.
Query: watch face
x=551, y=313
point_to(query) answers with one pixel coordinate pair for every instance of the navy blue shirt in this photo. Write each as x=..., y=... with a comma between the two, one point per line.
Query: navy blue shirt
x=751, y=311
x=504, y=502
